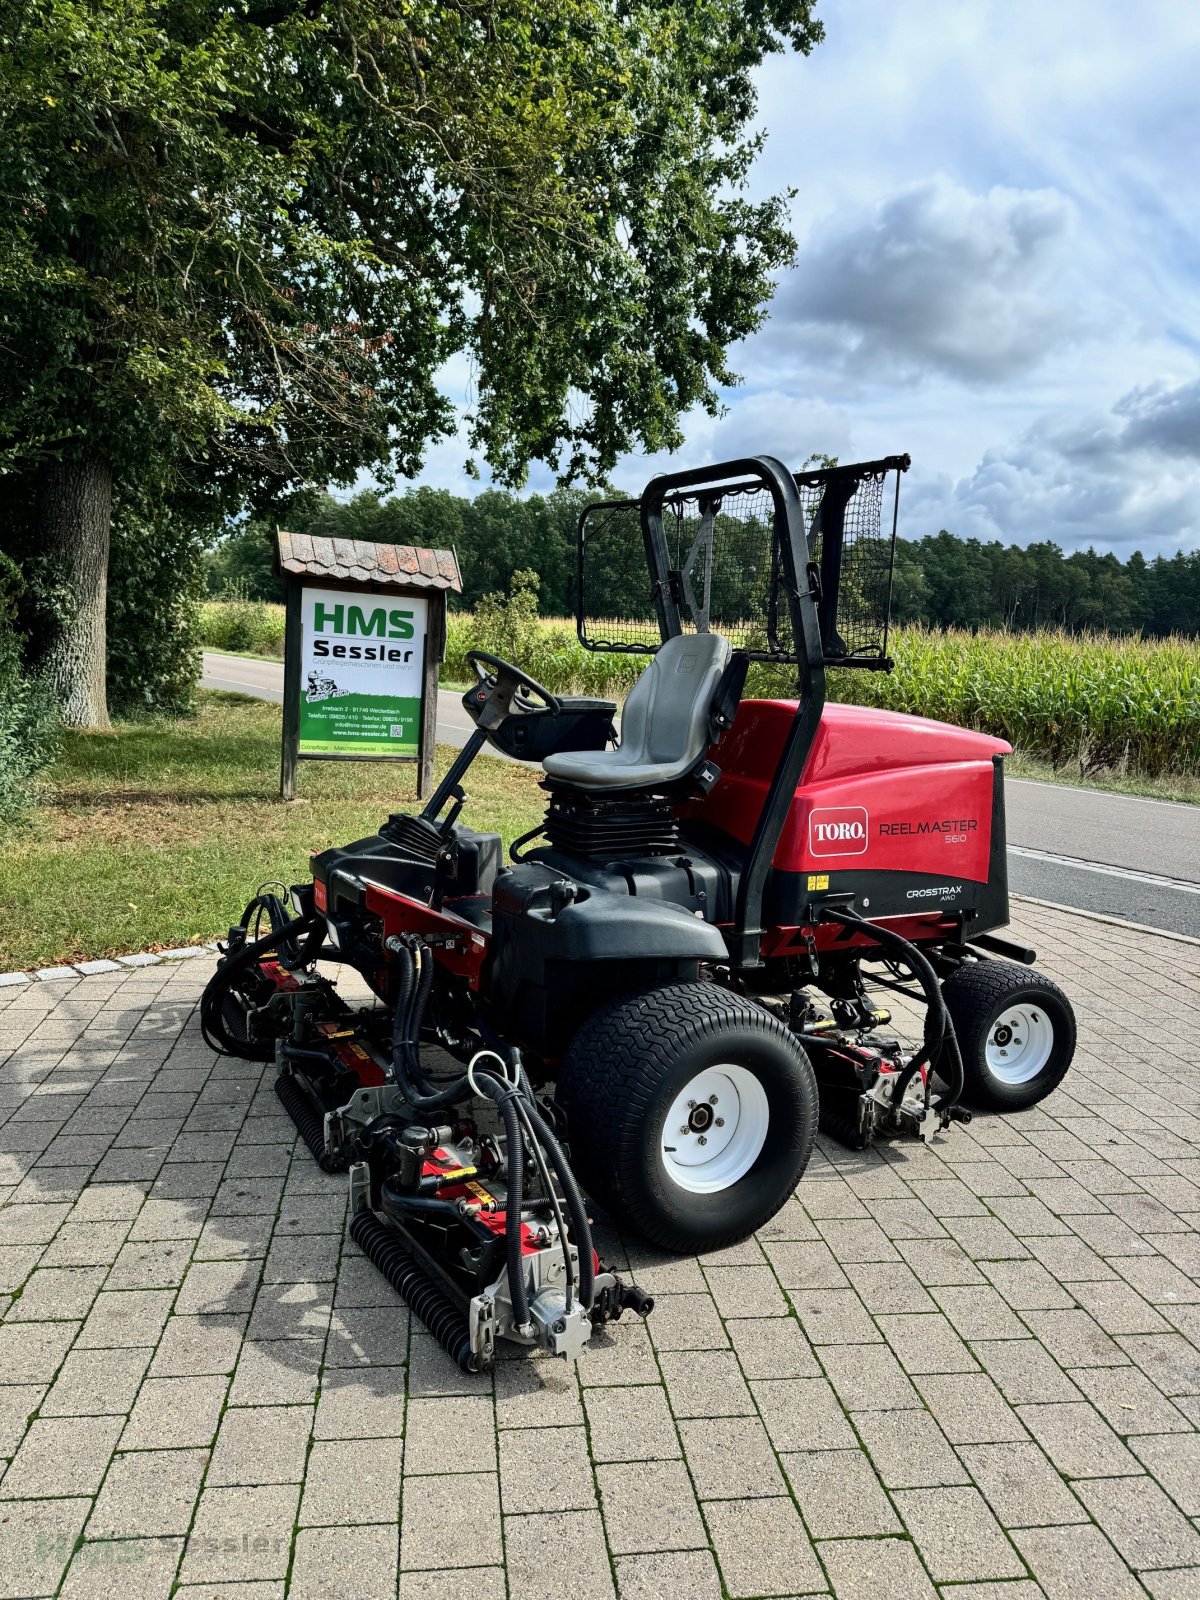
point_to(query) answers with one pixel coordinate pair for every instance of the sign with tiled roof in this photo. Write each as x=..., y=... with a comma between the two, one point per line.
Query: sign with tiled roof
x=400, y=566
x=365, y=635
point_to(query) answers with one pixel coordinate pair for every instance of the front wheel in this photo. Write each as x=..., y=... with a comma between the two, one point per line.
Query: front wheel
x=691, y=1114
x=1016, y=1032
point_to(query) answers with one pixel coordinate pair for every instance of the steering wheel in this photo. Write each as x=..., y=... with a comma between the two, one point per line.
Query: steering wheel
x=506, y=685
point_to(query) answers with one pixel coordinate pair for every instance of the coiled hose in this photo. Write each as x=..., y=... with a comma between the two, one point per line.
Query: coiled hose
x=212, y=1021
x=516, y=1107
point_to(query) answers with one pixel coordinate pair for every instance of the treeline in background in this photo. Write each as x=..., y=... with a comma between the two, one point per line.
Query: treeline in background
x=941, y=581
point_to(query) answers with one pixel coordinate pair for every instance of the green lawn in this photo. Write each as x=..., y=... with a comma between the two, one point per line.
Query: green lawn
x=157, y=834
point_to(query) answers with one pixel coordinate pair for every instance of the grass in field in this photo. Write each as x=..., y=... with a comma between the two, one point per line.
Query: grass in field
x=1183, y=787
x=157, y=833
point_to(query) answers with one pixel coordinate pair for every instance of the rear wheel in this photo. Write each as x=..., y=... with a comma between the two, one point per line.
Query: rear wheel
x=691, y=1113
x=1016, y=1031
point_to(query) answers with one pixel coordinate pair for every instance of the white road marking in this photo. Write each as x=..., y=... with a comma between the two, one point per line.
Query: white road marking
x=1110, y=872
x=1105, y=794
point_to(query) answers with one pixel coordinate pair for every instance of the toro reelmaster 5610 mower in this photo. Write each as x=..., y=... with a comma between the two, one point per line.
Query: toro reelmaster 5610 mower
x=683, y=948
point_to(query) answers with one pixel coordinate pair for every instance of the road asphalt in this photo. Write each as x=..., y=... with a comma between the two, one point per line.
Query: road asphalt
x=1118, y=855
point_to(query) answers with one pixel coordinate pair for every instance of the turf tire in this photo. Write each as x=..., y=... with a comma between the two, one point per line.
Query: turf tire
x=977, y=994
x=625, y=1067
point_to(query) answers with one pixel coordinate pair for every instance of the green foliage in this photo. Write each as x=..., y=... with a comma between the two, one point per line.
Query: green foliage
x=508, y=625
x=155, y=580
x=940, y=581
x=28, y=726
x=242, y=624
x=1089, y=702
x=242, y=564
x=244, y=237
x=949, y=582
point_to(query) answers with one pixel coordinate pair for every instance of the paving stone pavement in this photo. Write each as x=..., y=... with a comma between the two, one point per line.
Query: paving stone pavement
x=970, y=1369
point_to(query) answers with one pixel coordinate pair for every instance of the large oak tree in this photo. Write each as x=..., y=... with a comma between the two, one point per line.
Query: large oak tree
x=239, y=239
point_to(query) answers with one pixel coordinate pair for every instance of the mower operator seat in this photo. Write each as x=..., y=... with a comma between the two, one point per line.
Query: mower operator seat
x=665, y=724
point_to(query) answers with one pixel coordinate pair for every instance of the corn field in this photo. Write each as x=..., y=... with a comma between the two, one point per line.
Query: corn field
x=1090, y=702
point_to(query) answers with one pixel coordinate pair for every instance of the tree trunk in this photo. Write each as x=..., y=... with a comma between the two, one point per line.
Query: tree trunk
x=74, y=516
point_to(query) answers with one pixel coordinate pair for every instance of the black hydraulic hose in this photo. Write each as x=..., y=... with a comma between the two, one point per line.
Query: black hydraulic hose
x=421, y=1204
x=939, y=1030
x=406, y=1029
x=515, y=1105
x=576, y=1208
x=514, y=1200
x=212, y=1029
x=406, y=1025
x=539, y=1156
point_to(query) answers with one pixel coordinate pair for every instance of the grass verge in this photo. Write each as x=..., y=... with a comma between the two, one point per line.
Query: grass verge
x=1182, y=787
x=157, y=833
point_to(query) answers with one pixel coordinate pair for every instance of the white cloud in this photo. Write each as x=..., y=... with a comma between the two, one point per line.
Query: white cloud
x=934, y=279
x=1008, y=195
x=1127, y=479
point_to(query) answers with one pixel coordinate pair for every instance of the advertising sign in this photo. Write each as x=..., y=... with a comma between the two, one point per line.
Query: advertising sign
x=362, y=672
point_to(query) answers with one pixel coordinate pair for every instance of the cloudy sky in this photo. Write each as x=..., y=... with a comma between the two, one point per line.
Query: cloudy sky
x=998, y=268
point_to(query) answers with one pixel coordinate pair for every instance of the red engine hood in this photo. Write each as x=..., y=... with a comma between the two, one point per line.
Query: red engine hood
x=852, y=741
x=881, y=791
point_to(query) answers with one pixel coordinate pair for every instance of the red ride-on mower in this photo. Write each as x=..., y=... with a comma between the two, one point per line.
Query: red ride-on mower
x=689, y=948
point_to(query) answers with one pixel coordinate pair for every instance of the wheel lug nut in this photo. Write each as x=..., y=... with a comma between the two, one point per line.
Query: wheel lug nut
x=720, y=1122
x=712, y=1099
x=703, y=1140
x=685, y=1129
x=691, y=1105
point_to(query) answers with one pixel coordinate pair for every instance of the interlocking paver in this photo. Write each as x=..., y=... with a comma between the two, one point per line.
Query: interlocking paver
x=1024, y=1371
x=630, y=1425
x=241, y=1534
x=838, y=1494
x=148, y=1493
x=455, y=1511
x=37, y=1539
x=175, y=1413
x=123, y=1569
x=331, y=1563
x=666, y=1574
x=645, y=1512
x=957, y=1535
x=61, y=1456
x=261, y=1444
x=1021, y=1485
x=535, y=1546
x=1078, y=1440
x=1142, y=1522
x=1073, y=1561
x=936, y=1337
x=908, y=1449
x=762, y=1547
x=1129, y=1402
x=730, y=1457
x=876, y=1569
x=347, y=1483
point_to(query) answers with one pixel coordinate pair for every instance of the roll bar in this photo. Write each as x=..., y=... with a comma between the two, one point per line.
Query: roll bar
x=744, y=937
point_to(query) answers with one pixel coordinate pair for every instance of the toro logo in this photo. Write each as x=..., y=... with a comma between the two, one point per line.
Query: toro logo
x=837, y=831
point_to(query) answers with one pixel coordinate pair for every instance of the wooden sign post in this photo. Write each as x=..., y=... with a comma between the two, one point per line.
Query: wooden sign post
x=364, y=641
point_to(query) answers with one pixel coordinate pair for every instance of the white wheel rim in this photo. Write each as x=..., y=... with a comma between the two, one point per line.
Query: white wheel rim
x=1019, y=1043
x=715, y=1129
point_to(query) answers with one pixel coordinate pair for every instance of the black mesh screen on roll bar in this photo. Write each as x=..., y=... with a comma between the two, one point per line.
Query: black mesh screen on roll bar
x=727, y=575
x=616, y=595
x=864, y=586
